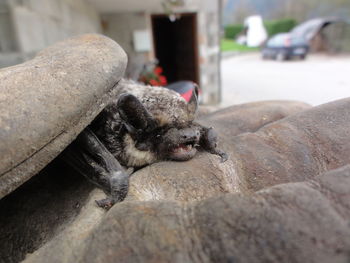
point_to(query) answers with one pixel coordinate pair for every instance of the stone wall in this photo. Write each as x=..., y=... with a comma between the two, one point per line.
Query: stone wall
x=209, y=49
x=32, y=25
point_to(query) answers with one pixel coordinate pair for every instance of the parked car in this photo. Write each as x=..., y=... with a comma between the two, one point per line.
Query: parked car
x=285, y=46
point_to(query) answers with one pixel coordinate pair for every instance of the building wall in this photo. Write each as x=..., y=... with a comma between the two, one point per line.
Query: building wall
x=208, y=25
x=119, y=26
x=32, y=25
x=7, y=37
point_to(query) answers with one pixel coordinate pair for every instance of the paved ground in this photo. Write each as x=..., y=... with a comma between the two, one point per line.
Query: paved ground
x=317, y=80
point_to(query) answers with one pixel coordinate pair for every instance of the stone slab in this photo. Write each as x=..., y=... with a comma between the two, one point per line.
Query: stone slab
x=47, y=101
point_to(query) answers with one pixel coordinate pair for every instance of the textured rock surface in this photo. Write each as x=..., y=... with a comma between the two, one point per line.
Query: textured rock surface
x=295, y=222
x=250, y=117
x=47, y=101
x=295, y=148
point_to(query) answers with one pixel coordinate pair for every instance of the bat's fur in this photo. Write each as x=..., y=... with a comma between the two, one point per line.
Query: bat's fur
x=141, y=126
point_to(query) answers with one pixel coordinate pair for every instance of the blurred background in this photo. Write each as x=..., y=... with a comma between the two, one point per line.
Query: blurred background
x=285, y=49
x=237, y=50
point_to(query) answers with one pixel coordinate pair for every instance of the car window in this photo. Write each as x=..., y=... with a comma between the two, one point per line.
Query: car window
x=276, y=41
x=298, y=41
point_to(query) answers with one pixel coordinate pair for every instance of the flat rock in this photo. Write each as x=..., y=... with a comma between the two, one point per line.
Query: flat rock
x=48, y=100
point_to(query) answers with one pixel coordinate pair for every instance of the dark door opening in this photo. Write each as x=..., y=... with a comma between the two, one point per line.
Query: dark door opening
x=175, y=46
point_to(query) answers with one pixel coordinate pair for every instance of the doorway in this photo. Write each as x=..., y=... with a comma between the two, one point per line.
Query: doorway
x=176, y=47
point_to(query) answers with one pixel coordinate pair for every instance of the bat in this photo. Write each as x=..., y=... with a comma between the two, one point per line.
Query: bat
x=141, y=126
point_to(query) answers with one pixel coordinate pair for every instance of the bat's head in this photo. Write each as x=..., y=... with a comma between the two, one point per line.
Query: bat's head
x=159, y=127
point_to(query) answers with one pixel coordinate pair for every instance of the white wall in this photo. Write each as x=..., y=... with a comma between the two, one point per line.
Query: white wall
x=37, y=24
x=120, y=27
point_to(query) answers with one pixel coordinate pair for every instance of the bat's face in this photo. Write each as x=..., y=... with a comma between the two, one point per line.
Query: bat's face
x=179, y=143
x=152, y=137
x=169, y=142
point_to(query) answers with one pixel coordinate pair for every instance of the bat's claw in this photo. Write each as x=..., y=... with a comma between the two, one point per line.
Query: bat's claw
x=106, y=203
x=224, y=156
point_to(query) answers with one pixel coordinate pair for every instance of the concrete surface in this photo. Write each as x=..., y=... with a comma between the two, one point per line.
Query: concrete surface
x=319, y=79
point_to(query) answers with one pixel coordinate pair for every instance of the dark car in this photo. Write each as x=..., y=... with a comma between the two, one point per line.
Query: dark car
x=285, y=46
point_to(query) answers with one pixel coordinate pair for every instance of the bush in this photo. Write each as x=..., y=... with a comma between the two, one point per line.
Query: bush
x=231, y=45
x=279, y=26
x=231, y=31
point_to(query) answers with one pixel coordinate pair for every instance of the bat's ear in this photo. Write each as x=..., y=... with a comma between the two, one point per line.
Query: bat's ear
x=193, y=102
x=134, y=114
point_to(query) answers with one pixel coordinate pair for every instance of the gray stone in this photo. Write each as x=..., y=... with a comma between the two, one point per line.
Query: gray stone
x=295, y=222
x=47, y=101
x=250, y=117
x=295, y=148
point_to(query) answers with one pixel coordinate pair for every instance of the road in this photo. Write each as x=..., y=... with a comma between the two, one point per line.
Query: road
x=319, y=79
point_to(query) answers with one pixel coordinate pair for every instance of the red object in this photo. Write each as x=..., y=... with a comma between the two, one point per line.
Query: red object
x=288, y=42
x=153, y=82
x=153, y=77
x=162, y=80
x=158, y=70
x=185, y=88
x=187, y=95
